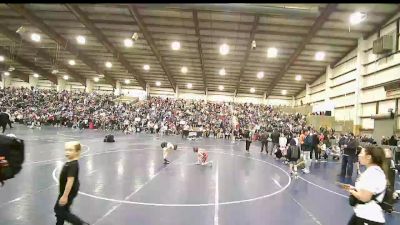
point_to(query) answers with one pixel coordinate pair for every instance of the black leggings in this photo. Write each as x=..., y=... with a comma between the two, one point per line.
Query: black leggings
x=63, y=213
x=360, y=221
x=248, y=142
x=4, y=125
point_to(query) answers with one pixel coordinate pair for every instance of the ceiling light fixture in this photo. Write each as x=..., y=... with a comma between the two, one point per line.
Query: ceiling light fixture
x=127, y=81
x=135, y=36
x=11, y=68
x=35, y=75
x=222, y=72
x=72, y=62
x=319, y=56
x=6, y=73
x=66, y=77
x=81, y=40
x=189, y=85
x=357, y=17
x=272, y=52
x=108, y=64
x=146, y=67
x=298, y=77
x=55, y=71
x=284, y=92
x=224, y=49
x=128, y=43
x=2, y=58
x=260, y=75
x=220, y=87
x=96, y=79
x=35, y=37
x=158, y=83
x=176, y=45
x=252, y=90
x=184, y=69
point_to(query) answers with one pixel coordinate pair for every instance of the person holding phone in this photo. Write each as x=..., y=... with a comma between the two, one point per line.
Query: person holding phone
x=369, y=189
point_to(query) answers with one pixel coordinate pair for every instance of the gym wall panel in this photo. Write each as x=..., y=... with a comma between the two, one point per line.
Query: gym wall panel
x=389, y=29
x=343, y=89
x=318, y=88
x=382, y=76
x=345, y=67
x=19, y=84
x=368, y=109
x=345, y=78
x=375, y=94
x=343, y=100
x=344, y=113
x=277, y=102
x=367, y=123
x=375, y=63
x=398, y=123
x=220, y=98
x=318, y=96
x=385, y=105
x=249, y=100
x=192, y=96
x=347, y=57
x=319, y=80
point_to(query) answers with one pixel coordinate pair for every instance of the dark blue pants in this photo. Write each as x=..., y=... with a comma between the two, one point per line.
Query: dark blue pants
x=347, y=165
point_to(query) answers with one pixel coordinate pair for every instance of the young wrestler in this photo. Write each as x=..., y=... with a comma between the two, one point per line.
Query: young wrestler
x=202, y=156
x=167, y=149
x=69, y=185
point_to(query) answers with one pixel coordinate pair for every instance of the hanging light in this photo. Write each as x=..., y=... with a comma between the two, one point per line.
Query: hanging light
x=224, y=49
x=222, y=72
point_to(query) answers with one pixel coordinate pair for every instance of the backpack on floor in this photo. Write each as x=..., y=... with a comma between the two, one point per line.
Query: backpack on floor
x=12, y=155
x=109, y=138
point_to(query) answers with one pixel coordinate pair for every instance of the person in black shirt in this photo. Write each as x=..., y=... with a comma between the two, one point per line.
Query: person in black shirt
x=264, y=141
x=69, y=185
x=4, y=120
x=349, y=156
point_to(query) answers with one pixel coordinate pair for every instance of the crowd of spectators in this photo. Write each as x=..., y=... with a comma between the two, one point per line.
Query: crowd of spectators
x=174, y=116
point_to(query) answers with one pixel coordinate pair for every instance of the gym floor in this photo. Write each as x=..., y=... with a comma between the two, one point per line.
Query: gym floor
x=126, y=182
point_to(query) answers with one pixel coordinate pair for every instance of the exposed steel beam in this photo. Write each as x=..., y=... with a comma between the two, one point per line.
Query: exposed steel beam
x=319, y=22
x=139, y=21
x=196, y=25
x=30, y=65
x=249, y=47
x=366, y=36
x=80, y=15
x=48, y=31
x=41, y=53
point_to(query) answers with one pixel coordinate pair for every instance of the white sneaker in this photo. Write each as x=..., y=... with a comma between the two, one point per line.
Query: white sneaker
x=305, y=171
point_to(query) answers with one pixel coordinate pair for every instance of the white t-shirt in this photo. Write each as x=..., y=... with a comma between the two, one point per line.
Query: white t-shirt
x=372, y=179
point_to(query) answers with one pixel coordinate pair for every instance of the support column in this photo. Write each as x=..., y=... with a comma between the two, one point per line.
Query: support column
x=308, y=94
x=360, y=70
x=117, y=90
x=6, y=81
x=89, y=86
x=177, y=92
x=206, y=99
x=328, y=83
x=234, y=96
x=293, y=101
x=61, y=84
x=147, y=90
x=33, y=81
